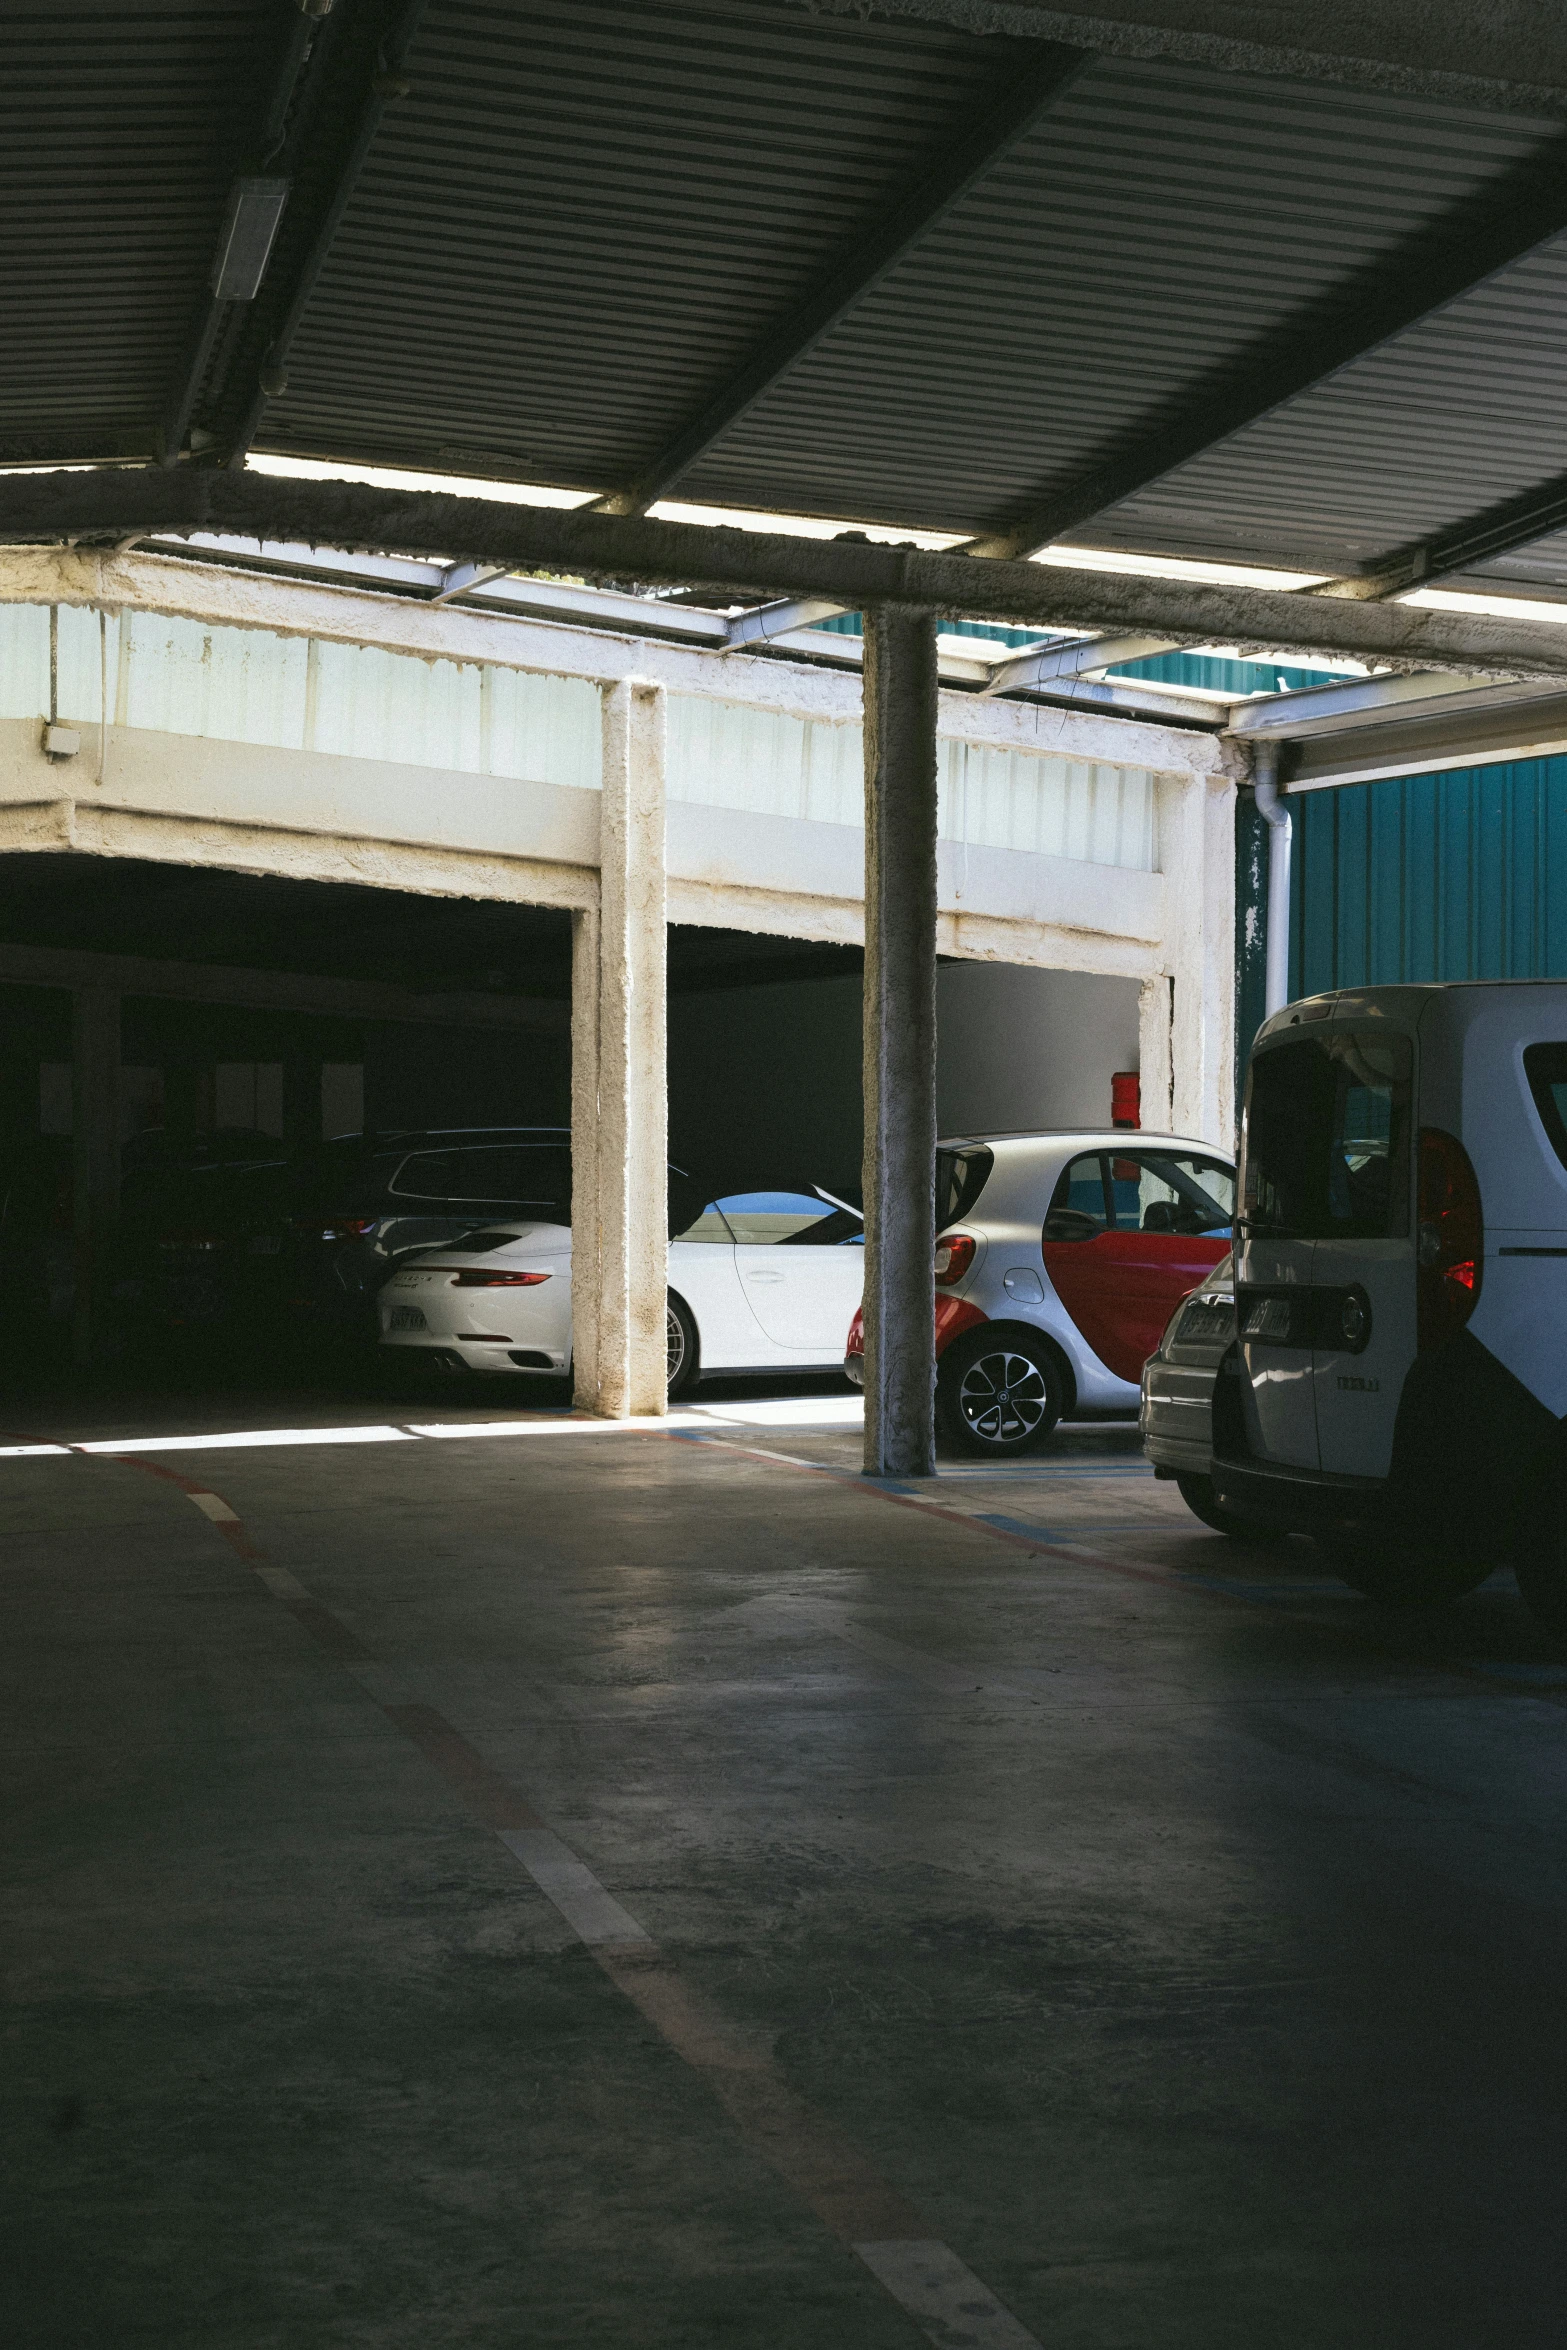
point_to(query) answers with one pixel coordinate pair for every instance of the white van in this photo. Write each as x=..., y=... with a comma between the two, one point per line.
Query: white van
x=1399, y=1376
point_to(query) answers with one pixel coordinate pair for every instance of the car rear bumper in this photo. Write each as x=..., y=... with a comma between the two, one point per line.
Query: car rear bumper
x=483, y=1354
x=1176, y=1417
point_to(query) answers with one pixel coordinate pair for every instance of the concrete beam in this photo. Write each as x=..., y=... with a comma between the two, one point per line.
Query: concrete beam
x=620, y=1093
x=740, y=563
x=269, y=991
x=1509, y=54
x=900, y=1041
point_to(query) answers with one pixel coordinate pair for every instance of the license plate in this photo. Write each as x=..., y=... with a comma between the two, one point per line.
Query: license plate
x=408, y=1318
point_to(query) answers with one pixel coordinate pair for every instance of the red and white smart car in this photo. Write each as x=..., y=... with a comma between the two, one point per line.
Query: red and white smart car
x=1059, y=1260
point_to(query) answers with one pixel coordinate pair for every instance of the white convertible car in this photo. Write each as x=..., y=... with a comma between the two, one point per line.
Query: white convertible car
x=763, y=1281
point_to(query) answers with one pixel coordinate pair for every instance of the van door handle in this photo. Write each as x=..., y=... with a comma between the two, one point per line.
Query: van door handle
x=764, y=1276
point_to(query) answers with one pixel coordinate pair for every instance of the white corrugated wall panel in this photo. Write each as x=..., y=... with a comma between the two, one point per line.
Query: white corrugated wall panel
x=726, y=755
x=238, y=685
x=543, y=729
x=1048, y=806
x=24, y=661
x=370, y=704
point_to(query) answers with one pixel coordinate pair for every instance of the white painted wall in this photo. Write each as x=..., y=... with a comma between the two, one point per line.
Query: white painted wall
x=1019, y=1048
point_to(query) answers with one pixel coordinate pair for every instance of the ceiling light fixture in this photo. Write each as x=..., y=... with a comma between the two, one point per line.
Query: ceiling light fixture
x=255, y=207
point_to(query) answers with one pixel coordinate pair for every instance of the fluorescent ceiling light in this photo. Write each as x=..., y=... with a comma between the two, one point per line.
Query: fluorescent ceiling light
x=1177, y=567
x=388, y=477
x=801, y=526
x=255, y=207
x=1498, y=607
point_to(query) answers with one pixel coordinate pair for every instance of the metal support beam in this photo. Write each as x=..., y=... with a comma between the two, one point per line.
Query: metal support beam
x=1495, y=530
x=900, y=1041
x=1086, y=657
x=116, y=503
x=368, y=61
x=1508, y=54
x=1446, y=259
x=763, y=622
x=215, y=310
x=876, y=248
x=620, y=1083
x=459, y=578
x=95, y=1159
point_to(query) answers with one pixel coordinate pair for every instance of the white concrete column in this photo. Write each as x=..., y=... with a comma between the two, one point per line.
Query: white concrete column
x=620, y=1081
x=95, y=1153
x=1197, y=855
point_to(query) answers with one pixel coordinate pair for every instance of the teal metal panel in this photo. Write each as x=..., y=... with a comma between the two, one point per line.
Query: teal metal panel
x=1461, y=875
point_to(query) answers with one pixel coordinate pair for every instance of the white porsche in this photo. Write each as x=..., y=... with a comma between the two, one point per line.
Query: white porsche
x=761, y=1282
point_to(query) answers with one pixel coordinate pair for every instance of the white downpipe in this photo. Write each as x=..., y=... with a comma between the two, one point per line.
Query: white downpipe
x=1271, y=808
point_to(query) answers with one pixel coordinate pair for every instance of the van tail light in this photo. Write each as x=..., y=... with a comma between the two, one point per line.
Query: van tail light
x=954, y=1255
x=481, y=1277
x=1450, y=1249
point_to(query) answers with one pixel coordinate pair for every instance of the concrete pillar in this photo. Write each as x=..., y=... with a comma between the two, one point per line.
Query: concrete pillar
x=620, y=1083
x=1197, y=857
x=95, y=1151
x=900, y=1040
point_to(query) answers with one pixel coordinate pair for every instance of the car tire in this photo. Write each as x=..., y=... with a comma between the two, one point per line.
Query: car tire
x=1539, y=1554
x=682, y=1351
x=1404, y=1574
x=1201, y=1499
x=998, y=1393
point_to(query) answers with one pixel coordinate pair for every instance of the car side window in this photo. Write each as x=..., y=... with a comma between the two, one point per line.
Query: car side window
x=424, y=1175
x=757, y=1218
x=709, y=1228
x=1077, y=1206
x=1166, y=1191
x=536, y=1177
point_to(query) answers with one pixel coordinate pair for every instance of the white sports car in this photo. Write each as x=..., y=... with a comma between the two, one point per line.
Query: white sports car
x=763, y=1281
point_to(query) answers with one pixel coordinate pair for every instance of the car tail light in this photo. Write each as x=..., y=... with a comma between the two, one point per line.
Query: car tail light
x=481, y=1277
x=340, y=1227
x=1450, y=1252
x=954, y=1255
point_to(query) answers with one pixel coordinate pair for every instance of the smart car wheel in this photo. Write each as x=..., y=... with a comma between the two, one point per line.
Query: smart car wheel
x=680, y=1345
x=997, y=1393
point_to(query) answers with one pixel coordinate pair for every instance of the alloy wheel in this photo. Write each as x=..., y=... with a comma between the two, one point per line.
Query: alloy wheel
x=674, y=1347
x=1003, y=1398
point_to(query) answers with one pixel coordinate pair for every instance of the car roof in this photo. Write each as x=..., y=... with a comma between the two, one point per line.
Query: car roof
x=1122, y=1138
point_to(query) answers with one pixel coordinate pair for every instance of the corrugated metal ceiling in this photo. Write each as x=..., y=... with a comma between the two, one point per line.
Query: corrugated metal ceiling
x=584, y=214
x=118, y=134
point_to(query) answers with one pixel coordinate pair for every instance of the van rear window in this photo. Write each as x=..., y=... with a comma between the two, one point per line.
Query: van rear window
x=1325, y=1137
x=1545, y=1066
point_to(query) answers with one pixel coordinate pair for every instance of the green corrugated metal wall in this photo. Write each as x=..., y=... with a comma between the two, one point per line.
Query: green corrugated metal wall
x=1461, y=875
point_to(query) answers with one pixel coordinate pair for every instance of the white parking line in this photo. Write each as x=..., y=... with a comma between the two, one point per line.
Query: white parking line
x=244, y=1439
x=946, y=2300
x=593, y=1913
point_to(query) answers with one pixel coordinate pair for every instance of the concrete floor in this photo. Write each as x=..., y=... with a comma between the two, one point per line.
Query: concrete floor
x=1126, y=1937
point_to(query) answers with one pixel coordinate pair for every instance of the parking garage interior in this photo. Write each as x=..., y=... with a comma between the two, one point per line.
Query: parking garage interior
x=753, y=585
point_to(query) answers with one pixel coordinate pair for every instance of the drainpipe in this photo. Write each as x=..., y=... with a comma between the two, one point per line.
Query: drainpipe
x=1271, y=808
